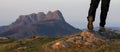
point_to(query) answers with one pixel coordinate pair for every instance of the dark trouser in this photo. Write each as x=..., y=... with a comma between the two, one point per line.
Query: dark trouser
x=104, y=10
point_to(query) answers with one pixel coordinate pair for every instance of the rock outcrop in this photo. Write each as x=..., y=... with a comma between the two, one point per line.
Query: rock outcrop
x=4, y=38
x=39, y=18
x=84, y=39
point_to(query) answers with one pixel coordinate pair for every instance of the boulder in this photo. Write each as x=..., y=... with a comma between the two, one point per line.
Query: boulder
x=61, y=44
x=4, y=38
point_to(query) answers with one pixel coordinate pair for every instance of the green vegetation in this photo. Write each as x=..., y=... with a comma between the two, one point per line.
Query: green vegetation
x=6, y=41
x=26, y=45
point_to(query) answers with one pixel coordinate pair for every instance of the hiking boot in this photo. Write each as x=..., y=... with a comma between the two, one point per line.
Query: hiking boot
x=90, y=23
x=101, y=29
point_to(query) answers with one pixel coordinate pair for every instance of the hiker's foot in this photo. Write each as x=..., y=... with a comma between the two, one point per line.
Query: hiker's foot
x=90, y=23
x=101, y=29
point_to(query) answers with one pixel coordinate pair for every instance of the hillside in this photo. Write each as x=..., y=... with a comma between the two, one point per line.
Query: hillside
x=40, y=44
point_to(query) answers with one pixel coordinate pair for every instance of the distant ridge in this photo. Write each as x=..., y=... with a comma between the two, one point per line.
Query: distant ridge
x=40, y=24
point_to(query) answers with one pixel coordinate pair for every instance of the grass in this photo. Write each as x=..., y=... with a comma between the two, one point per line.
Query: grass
x=26, y=45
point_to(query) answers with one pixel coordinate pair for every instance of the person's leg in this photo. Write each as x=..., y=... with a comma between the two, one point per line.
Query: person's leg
x=103, y=15
x=91, y=14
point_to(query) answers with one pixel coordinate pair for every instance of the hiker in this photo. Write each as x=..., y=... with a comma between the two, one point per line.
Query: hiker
x=92, y=12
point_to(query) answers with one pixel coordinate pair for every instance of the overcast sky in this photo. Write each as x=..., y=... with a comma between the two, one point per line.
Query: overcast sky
x=74, y=11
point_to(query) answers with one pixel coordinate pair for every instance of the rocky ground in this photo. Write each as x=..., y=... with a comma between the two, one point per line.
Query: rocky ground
x=85, y=41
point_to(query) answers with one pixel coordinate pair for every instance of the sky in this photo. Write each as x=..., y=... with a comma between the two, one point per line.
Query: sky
x=74, y=11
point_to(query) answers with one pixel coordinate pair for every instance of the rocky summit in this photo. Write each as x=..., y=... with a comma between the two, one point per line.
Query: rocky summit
x=40, y=24
x=86, y=39
x=82, y=39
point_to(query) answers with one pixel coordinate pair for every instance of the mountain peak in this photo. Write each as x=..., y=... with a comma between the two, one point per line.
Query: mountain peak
x=58, y=14
x=39, y=18
x=55, y=15
x=57, y=11
x=49, y=12
x=50, y=24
